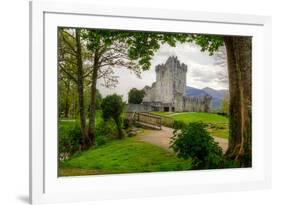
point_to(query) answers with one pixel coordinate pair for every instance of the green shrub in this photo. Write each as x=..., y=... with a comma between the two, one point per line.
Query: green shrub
x=112, y=108
x=178, y=124
x=194, y=141
x=106, y=129
x=100, y=140
x=231, y=164
x=69, y=139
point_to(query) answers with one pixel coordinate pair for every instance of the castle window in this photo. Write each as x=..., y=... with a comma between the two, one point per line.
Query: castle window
x=166, y=109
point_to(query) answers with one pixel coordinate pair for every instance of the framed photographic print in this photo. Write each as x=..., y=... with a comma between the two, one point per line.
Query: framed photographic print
x=129, y=102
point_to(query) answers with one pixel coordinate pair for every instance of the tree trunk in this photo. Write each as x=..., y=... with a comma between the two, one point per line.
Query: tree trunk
x=66, y=109
x=243, y=55
x=239, y=70
x=73, y=110
x=92, y=110
x=234, y=100
x=118, y=125
x=80, y=89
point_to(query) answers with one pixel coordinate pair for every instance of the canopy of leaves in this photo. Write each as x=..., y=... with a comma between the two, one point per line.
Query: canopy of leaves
x=141, y=46
x=135, y=96
x=67, y=55
x=208, y=43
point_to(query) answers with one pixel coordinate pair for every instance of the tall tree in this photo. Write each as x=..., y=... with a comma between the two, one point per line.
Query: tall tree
x=80, y=89
x=239, y=56
x=71, y=56
x=111, y=49
x=135, y=96
x=239, y=63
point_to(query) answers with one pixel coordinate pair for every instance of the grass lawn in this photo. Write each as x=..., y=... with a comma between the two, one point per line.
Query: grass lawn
x=200, y=116
x=167, y=114
x=122, y=156
x=218, y=125
x=130, y=155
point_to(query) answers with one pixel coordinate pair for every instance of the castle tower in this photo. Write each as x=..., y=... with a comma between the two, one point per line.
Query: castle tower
x=168, y=93
x=171, y=84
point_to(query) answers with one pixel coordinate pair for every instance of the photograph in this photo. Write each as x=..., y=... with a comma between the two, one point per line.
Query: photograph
x=150, y=101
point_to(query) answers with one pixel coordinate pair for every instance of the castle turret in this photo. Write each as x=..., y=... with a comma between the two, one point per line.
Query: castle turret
x=171, y=82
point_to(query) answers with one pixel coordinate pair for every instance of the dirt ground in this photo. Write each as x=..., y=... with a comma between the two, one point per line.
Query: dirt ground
x=162, y=138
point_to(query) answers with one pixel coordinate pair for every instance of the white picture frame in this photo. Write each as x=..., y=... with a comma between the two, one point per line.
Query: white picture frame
x=46, y=187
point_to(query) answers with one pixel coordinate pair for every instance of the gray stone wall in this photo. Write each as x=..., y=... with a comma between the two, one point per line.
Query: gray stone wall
x=137, y=108
x=197, y=104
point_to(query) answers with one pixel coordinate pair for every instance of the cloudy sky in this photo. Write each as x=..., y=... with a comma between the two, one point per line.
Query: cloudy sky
x=203, y=70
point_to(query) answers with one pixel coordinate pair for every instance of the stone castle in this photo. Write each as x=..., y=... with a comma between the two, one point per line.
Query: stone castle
x=168, y=93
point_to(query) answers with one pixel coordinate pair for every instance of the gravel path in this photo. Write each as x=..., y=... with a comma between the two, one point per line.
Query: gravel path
x=223, y=143
x=162, y=138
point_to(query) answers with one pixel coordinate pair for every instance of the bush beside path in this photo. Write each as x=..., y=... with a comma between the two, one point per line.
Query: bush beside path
x=162, y=138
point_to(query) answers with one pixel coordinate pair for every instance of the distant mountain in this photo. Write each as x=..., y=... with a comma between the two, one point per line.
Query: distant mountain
x=194, y=92
x=217, y=95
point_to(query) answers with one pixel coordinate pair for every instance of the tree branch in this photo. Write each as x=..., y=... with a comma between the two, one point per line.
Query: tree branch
x=68, y=43
x=68, y=74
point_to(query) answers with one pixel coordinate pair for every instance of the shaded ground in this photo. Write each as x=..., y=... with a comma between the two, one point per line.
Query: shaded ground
x=162, y=137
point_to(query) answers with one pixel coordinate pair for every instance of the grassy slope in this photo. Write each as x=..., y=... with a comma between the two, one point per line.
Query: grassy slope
x=123, y=156
x=218, y=124
x=132, y=156
x=200, y=116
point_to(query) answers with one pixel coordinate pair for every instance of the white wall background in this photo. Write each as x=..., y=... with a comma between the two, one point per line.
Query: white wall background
x=14, y=100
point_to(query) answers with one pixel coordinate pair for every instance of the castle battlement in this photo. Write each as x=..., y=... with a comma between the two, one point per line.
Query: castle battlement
x=171, y=62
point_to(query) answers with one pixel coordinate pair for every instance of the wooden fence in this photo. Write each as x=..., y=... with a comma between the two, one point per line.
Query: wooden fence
x=144, y=119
